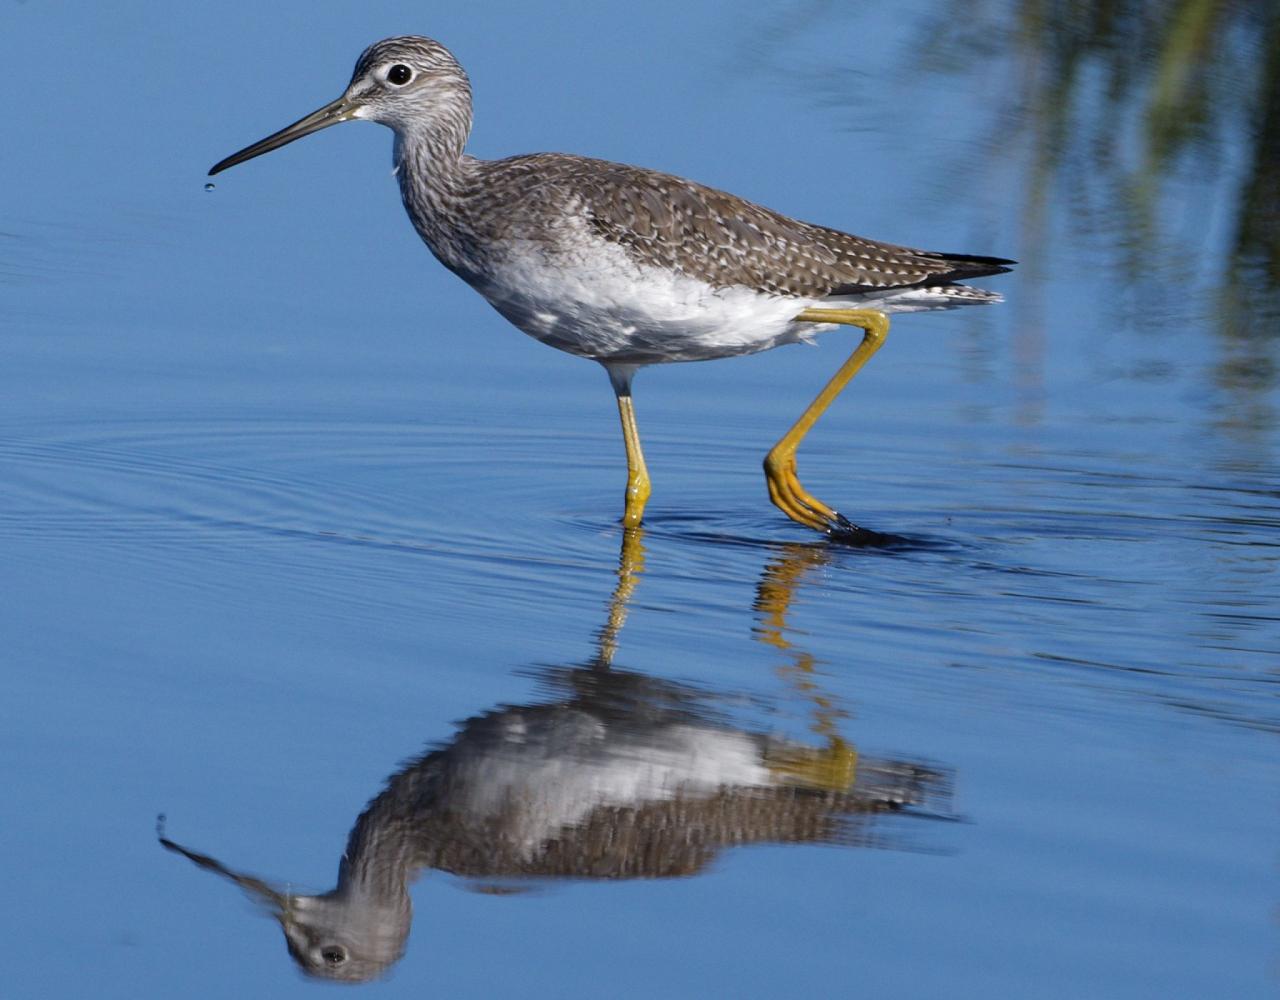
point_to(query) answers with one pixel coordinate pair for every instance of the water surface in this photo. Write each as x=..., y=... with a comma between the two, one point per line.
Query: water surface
x=286, y=509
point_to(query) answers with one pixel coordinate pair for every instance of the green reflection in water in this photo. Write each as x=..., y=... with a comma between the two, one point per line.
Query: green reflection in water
x=1126, y=100
x=1157, y=125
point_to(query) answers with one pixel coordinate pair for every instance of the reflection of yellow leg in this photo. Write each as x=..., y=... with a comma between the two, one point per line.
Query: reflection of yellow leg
x=638, y=487
x=785, y=489
x=630, y=566
x=833, y=768
x=777, y=587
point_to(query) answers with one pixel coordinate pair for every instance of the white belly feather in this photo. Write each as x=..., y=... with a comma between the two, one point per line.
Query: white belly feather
x=599, y=303
x=592, y=298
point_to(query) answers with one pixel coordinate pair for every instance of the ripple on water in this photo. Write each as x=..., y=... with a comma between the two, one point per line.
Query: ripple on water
x=162, y=490
x=1102, y=578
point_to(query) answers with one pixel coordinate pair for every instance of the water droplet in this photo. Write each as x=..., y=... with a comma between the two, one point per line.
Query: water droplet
x=210, y=186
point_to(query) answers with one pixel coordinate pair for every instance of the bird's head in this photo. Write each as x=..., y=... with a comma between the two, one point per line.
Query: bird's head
x=410, y=84
x=343, y=937
x=347, y=935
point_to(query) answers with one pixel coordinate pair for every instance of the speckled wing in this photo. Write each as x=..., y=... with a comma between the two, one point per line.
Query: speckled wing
x=669, y=222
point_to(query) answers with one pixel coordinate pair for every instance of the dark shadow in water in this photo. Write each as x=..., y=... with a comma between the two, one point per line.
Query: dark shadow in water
x=712, y=528
x=615, y=775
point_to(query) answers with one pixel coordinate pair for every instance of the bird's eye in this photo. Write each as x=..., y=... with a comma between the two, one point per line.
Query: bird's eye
x=399, y=74
x=333, y=955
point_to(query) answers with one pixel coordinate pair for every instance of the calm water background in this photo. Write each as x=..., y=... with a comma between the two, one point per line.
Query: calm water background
x=281, y=501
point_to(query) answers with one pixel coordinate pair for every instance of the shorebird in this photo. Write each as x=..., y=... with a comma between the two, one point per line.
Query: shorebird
x=628, y=266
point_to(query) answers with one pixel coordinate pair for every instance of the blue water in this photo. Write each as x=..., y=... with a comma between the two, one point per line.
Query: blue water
x=284, y=504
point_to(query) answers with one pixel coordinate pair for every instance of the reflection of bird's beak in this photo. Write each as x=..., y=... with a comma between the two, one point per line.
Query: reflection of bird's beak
x=341, y=110
x=280, y=904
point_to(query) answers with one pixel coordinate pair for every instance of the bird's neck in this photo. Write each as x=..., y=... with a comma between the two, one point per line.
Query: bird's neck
x=437, y=180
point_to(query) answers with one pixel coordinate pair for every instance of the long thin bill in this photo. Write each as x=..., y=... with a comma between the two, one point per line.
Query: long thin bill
x=337, y=111
x=256, y=889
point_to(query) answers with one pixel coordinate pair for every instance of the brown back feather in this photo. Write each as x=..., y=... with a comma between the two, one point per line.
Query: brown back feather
x=669, y=222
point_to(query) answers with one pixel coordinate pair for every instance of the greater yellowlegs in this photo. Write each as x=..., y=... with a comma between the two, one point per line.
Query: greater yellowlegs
x=627, y=266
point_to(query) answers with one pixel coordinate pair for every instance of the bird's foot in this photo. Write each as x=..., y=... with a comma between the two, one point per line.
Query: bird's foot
x=789, y=496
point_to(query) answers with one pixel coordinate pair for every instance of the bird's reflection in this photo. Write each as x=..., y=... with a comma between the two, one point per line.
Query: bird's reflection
x=616, y=775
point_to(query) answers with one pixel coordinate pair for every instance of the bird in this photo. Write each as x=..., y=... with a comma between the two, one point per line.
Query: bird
x=631, y=267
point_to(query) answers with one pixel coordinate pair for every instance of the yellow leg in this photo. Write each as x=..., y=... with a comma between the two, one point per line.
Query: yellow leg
x=785, y=489
x=638, y=487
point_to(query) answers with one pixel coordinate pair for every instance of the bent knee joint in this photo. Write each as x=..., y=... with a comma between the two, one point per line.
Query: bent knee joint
x=874, y=324
x=872, y=321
